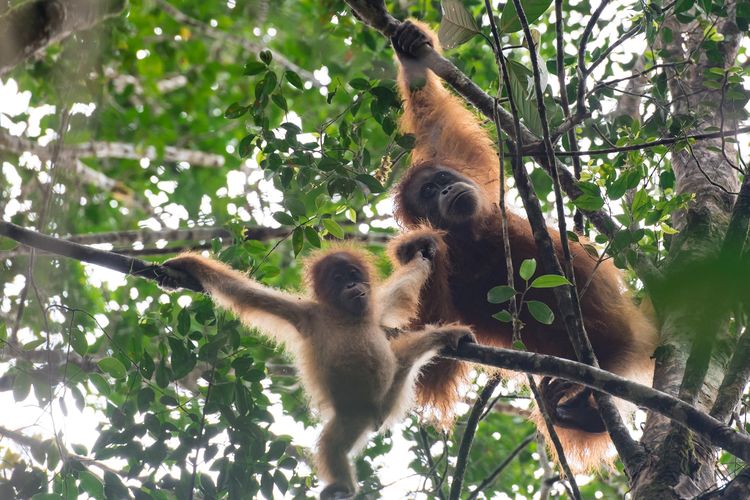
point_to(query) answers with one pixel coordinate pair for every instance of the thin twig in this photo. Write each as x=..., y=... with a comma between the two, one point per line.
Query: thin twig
x=500, y=468
x=559, y=450
x=472, y=422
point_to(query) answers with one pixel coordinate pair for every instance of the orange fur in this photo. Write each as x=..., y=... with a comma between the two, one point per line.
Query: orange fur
x=471, y=261
x=446, y=132
x=357, y=378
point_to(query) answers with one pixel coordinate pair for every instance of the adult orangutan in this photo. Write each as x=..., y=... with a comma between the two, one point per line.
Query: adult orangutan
x=450, y=194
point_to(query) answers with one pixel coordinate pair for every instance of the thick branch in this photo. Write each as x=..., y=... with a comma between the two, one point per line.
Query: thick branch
x=194, y=239
x=32, y=26
x=110, y=260
x=715, y=431
x=739, y=487
x=718, y=433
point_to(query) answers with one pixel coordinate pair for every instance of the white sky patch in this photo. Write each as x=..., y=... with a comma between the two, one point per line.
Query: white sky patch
x=167, y=186
x=322, y=75
x=12, y=179
x=13, y=288
x=205, y=207
x=236, y=182
x=100, y=277
x=156, y=199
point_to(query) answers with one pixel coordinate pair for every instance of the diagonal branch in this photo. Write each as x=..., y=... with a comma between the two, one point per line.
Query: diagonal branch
x=373, y=13
x=30, y=442
x=110, y=260
x=680, y=412
x=462, y=459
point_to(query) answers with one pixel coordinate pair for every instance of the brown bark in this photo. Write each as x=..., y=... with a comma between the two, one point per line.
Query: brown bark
x=692, y=360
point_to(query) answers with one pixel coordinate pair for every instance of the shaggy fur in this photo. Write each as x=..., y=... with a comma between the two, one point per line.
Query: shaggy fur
x=471, y=260
x=357, y=378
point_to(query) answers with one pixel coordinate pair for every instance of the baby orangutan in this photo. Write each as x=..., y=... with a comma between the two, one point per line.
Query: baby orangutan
x=357, y=378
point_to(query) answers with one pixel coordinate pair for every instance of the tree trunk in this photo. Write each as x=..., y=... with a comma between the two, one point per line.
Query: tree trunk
x=692, y=358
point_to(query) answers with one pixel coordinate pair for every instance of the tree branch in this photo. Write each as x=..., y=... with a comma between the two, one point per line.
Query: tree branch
x=110, y=260
x=31, y=442
x=739, y=487
x=715, y=431
x=472, y=422
x=31, y=27
x=500, y=468
x=121, y=150
x=216, y=34
x=533, y=149
x=192, y=239
x=373, y=12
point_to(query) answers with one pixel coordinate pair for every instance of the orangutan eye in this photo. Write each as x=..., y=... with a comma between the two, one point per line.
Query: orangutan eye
x=338, y=277
x=428, y=190
x=443, y=178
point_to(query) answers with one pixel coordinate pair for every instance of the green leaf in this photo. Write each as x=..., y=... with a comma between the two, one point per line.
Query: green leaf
x=333, y=228
x=266, y=56
x=549, y=281
x=540, y=312
x=359, y=83
x=509, y=22
x=503, y=316
x=295, y=206
x=458, y=25
x=279, y=100
x=78, y=341
x=33, y=344
x=528, y=268
x=371, y=182
x=522, y=89
x=500, y=294
x=253, y=68
x=183, y=322
x=91, y=484
x=113, y=367
x=7, y=244
x=326, y=164
x=266, y=86
x=312, y=236
x=283, y=218
x=407, y=141
x=298, y=239
x=294, y=79
x=590, y=199
x=100, y=383
x=235, y=110
x=246, y=146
